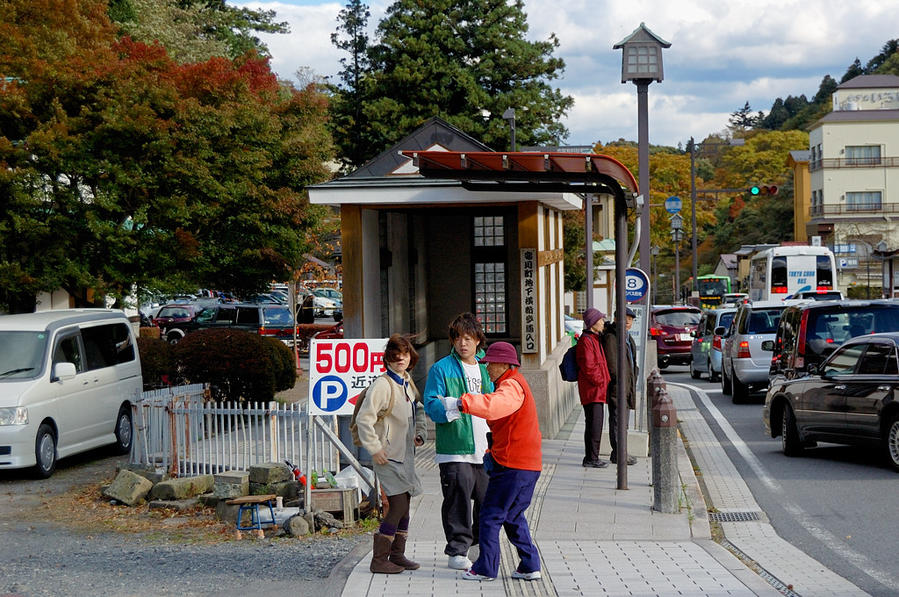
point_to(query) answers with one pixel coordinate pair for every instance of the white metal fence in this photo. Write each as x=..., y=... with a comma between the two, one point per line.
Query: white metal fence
x=181, y=431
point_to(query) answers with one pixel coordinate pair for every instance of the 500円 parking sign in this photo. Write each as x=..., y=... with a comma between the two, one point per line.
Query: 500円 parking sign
x=339, y=370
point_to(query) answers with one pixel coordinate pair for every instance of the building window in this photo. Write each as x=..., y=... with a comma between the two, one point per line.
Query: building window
x=488, y=232
x=866, y=201
x=490, y=274
x=862, y=155
x=490, y=296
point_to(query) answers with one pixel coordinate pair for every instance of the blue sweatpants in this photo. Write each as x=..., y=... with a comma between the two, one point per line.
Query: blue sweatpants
x=509, y=494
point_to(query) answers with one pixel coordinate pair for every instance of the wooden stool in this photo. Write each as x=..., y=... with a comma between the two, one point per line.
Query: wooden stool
x=250, y=503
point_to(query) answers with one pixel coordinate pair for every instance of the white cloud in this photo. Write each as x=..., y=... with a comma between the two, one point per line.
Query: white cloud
x=723, y=54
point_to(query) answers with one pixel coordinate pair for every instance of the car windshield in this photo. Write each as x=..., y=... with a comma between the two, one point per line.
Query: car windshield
x=763, y=321
x=278, y=316
x=21, y=354
x=679, y=318
x=175, y=313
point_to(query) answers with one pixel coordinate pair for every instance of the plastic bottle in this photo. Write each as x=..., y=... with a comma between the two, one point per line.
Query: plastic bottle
x=331, y=478
x=314, y=479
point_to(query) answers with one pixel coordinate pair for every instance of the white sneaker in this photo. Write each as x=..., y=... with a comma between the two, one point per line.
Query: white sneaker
x=472, y=575
x=535, y=575
x=459, y=562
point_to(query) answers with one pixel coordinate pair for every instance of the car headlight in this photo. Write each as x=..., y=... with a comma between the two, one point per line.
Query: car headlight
x=14, y=416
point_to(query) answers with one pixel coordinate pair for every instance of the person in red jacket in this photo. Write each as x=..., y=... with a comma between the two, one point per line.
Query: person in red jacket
x=513, y=461
x=592, y=384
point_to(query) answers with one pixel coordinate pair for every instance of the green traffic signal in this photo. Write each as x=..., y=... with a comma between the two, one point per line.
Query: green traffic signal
x=762, y=190
x=753, y=190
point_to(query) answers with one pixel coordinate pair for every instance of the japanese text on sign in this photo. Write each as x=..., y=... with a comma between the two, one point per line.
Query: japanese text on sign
x=338, y=372
x=528, y=300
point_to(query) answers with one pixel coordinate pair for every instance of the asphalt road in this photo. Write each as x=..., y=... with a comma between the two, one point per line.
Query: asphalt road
x=836, y=503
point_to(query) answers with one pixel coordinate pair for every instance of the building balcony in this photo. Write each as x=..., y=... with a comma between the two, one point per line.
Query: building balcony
x=837, y=163
x=859, y=210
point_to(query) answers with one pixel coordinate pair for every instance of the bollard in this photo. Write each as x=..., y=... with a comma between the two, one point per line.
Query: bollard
x=665, y=478
x=653, y=383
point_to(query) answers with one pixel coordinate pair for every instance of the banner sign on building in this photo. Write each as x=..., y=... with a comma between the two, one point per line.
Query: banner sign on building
x=339, y=369
x=528, y=300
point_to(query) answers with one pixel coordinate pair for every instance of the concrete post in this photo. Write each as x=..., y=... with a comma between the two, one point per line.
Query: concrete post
x=654, y=383
x=665, y=478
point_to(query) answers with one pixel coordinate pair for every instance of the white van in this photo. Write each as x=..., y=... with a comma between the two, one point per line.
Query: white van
x=67, y=382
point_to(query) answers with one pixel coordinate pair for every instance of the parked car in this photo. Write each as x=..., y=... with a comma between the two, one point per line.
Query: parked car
x=329, y=293
x=748, y=344
x=260, y=318
x=706, y=347
x=324, y=307
x=672, y=328
x=733, y=298
x=176, y=320
x=820, y=295
x=849, y=399
x=67, y=381
x=808, y=333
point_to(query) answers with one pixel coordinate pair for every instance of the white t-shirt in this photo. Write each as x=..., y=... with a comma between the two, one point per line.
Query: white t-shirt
x=478, y=425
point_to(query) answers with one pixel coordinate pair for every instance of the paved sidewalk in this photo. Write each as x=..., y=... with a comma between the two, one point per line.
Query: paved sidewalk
x=593, y=538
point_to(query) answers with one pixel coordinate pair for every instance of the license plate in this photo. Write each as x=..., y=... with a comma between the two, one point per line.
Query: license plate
x=684, y=337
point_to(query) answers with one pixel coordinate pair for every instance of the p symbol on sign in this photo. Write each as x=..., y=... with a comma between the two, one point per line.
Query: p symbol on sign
x=329, y=393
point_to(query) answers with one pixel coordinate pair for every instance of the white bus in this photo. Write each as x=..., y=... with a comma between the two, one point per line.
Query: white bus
x=782, y=272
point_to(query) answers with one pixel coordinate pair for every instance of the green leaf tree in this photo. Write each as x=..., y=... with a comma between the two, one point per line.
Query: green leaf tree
x=467, y=62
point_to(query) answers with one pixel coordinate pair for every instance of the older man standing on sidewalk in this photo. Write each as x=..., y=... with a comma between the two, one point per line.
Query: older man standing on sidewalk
x=610, y=346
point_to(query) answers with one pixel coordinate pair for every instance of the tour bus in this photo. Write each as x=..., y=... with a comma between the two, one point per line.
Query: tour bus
x=781, y=272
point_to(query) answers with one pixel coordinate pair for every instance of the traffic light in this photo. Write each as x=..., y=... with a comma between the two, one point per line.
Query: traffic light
x=763, y=190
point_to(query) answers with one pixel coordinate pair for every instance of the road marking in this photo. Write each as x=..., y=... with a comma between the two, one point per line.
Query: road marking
x=859, y=560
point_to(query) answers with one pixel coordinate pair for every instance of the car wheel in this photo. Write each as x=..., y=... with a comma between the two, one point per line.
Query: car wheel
x=693, y=372
x=174, y=336
x=662, y=363
x=891, y=441
x=44, y=452
x=713, y=377
x=789, y=434
x=726, y=388
x=739, y=389
x=123, y=431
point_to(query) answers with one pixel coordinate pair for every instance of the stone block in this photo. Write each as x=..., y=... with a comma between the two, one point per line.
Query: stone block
x=226, y=512
x=231, y=484
x=286, y=489
x=178, y=489
x=179, y=505
x=128, y=488
x=150, y=473
x=270, y=472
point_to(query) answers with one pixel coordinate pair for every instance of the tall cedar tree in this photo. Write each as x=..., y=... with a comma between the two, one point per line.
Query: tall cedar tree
x=347, y=121
x=120, y=167
x=466, y=61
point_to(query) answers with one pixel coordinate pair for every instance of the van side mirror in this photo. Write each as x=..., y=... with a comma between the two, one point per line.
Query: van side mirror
x=720, y=330
x=768, y=345
x=812, y=369
x=63, y=371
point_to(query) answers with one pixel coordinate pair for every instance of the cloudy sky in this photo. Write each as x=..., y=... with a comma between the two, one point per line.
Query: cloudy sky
x=723, y=53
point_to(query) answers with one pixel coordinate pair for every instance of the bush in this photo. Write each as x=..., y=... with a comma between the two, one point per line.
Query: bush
x=156, y=364
x=282, y=356
x=236, y=364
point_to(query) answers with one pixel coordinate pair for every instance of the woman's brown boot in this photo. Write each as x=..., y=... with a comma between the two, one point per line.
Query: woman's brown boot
x=398, y=552
x=380, y=552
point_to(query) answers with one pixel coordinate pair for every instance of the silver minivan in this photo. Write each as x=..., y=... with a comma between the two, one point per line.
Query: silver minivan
x=748, y=346
x=67, y=382
x=706, y=348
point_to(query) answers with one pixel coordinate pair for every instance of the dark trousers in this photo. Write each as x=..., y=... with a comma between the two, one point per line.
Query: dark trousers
x=509, y=494
x=592, y=430
x=462, y=483
x=613, y=427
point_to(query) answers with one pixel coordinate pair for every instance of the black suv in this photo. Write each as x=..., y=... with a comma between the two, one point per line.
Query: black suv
x=809, y=332
x=264, y=319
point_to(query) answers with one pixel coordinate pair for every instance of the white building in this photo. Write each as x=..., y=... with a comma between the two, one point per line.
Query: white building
x=854, y=165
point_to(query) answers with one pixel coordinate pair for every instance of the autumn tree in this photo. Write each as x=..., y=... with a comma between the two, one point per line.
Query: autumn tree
x=467, y=62
x=120, y=167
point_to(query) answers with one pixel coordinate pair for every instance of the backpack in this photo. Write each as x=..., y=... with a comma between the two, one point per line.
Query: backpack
x=568, y=366
x=354, y=428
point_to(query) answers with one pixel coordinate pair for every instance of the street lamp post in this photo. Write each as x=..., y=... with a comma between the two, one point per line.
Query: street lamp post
x=641, y=62
x=677, y=224
x=509, y=115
